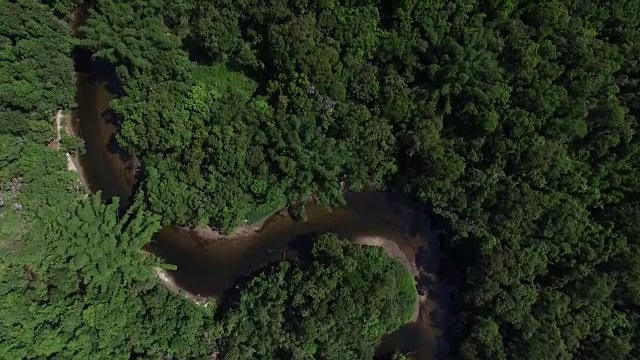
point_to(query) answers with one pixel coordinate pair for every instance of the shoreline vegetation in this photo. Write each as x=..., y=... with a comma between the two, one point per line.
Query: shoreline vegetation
x=69, y=262
x=72, y=160
x=238, y=234
x=246, y=232
x=167, y=281
x=355, y=279
x=394, y=252
x=516, y=125
x=249, y=231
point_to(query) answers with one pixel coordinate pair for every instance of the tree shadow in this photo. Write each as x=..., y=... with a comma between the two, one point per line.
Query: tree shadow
x=114, y=148
x=84, y=61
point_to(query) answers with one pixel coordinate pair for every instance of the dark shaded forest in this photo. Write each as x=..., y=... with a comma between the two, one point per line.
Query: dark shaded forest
x=514, y=122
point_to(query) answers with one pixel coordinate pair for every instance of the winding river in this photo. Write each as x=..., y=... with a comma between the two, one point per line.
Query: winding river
x=207, y=265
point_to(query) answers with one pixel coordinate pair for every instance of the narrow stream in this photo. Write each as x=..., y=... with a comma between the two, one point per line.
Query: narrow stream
x=208, y=267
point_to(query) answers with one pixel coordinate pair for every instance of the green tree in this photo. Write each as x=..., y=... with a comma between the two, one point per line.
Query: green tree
x=516, y=122
x=283, y=129
x=78, y=286
x=336, y=306
x=36, y=71
x=74, y=281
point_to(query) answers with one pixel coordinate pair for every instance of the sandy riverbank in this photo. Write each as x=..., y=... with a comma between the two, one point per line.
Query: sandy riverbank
x=166, y=280
x=210, y=234
x=393, y=250
x=72, y=160
x=239, y=233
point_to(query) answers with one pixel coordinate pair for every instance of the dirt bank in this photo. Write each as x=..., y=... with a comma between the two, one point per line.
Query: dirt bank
x=65, y=121
x=166, y=280
x=240, y=233
x=393, y=250
x=212, y=235
x=55, y=144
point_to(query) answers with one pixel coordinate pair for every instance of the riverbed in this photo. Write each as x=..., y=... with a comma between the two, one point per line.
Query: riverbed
x=208, y=266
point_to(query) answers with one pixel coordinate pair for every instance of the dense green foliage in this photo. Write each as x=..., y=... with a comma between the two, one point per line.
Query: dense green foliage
x=215, y=143
x=337, y=306
x=36, y=72
x=527, y=144
x=77, y=286
x=515, y=121
x=64, y=8
x=74, y=280
x=74, y=283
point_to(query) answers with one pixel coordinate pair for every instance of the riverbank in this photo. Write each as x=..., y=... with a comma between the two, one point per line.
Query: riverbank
x=240, y=233
x=165, y=279
x=393, y=251
x=104, y=167
x=391, y=248
x=209, y=262
x=63, y=122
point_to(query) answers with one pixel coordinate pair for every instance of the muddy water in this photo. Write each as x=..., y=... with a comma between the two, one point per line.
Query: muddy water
x=103, y=167
x=209, y=266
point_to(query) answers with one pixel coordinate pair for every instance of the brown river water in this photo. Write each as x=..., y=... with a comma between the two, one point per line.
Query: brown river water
x=208, y=267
